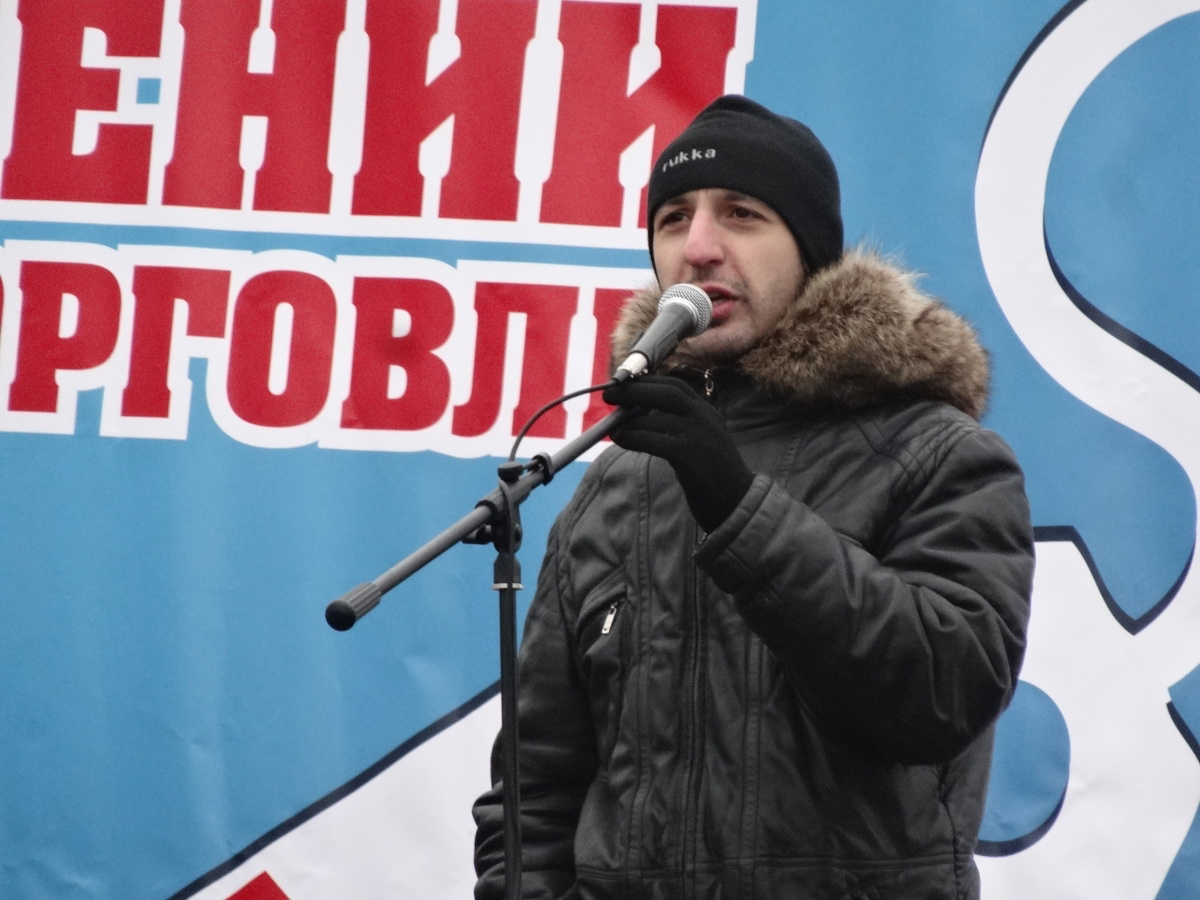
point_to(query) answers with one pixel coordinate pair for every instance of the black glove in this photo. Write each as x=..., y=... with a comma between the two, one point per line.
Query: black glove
x=670, y=420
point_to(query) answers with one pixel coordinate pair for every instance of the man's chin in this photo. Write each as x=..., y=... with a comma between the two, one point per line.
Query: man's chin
x=700, y=353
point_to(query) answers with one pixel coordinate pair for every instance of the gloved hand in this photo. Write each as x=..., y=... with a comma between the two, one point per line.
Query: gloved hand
x=670, y=420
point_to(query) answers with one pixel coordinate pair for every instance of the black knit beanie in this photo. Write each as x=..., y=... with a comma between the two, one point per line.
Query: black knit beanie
x=740, y=145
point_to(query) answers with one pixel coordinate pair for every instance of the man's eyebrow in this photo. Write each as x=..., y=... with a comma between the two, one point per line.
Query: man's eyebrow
x=729, y=194
x=677, y=200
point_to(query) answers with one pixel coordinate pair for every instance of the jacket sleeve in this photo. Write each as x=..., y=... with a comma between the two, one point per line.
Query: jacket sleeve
x=916, y=651
x=558, y=755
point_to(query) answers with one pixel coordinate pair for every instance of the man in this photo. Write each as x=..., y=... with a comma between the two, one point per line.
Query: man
x=773, y=629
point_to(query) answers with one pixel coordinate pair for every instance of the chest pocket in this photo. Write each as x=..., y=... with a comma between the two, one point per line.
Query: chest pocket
x=603, y=636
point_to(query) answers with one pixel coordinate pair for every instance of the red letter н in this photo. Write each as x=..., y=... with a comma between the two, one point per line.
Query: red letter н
x=481, y=89
x=217, y=90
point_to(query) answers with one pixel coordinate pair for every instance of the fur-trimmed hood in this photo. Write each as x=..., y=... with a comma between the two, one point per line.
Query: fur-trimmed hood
x=859, y=333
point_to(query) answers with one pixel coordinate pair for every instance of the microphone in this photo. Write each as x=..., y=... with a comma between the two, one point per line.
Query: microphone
x=683, y=311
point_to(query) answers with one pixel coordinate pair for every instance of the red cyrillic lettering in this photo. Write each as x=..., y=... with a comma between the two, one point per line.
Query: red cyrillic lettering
x=377, y=349
x=606, y=308
x=216, y=91
x=594, y=111
x=42, y=351
x=481, y=89
x=52, y=86
x=548, y=311
x=155, y=290
x=309, y=356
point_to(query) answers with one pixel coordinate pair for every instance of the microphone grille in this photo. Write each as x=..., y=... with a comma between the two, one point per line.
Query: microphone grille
x=696, y=301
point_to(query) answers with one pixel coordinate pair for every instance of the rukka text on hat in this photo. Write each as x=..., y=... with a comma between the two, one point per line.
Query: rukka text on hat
x=684, y=156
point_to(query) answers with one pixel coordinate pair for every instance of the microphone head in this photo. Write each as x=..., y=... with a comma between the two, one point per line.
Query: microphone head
x=693, y=299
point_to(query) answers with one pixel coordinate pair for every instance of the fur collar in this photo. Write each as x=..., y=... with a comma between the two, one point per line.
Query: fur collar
x=859, y=333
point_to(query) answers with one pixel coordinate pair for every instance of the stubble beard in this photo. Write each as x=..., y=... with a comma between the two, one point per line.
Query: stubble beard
x=706, y=351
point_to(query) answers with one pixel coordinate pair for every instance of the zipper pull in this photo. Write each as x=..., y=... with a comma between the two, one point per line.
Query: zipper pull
x=709, y=384
x=608, y=620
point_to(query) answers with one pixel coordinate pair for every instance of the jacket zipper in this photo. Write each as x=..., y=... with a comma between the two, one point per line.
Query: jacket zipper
x=691, y=807
x=608, y=619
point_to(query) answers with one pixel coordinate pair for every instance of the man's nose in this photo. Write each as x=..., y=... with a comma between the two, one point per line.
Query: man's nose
x=704, y=246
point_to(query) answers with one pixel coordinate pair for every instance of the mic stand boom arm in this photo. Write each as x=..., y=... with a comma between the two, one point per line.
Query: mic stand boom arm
x=342, y=613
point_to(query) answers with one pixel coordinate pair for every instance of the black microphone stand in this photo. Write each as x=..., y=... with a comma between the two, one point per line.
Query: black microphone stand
x=496, y=520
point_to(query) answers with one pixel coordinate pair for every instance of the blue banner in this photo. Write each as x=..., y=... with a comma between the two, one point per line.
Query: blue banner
x=280, y=282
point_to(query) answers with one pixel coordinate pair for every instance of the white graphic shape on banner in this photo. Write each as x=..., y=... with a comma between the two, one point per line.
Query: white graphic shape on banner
x=1010, y=192
x=1134, y=783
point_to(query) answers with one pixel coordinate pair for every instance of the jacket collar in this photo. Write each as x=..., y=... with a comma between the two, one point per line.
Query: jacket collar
x=859, y=333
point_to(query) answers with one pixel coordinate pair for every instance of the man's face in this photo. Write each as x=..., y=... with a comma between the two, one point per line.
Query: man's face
x=737, y=250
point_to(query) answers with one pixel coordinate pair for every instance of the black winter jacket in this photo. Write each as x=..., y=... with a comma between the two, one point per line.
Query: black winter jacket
x=799, y=705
